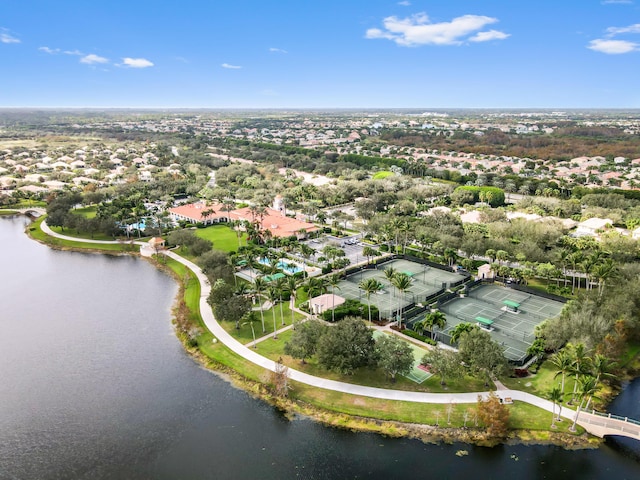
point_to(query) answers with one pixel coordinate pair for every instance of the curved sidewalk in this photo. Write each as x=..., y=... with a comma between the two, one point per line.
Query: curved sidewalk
x=343, y=387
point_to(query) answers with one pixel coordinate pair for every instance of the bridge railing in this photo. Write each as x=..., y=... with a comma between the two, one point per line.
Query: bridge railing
x=616, y=417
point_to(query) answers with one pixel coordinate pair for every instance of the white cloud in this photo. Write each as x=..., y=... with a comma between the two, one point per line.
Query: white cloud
x=136, y=62
x=73, y=52
x=92, y=59
x=489, y=35
x=231, y=67
x=614, y=2
x=418, y=30
x=50, y=51
x=277, y=50
x=613, y=47
x=404, y=3
x=612, y=31
x=6, y=38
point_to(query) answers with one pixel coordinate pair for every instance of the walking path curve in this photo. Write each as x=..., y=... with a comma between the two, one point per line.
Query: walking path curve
x=596, y=424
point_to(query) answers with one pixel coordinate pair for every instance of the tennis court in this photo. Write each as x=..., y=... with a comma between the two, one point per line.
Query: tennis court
x=417, y=374
x=425, y=281
x=511, y=316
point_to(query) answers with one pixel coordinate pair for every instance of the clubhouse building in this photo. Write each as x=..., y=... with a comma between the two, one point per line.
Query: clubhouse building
x=270, y=219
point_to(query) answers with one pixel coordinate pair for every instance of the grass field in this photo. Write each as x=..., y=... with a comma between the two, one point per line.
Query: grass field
x=86, y=212
x=223, y=237
x=244, y=334
x=80, y=234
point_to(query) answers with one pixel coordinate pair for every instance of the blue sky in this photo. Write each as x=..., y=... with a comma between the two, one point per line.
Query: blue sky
x=321, y=53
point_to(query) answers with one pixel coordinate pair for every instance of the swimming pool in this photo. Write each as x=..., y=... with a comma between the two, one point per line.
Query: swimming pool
x=286, y=267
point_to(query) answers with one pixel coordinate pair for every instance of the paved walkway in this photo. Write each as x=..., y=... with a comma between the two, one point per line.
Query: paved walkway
x=343, y=387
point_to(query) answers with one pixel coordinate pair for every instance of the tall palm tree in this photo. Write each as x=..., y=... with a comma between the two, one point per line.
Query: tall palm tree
x=587, y=390
x=459, y=329
x=601, y=366
x=574, y=259
x=260, y=285
x=280, y=285
x=370, y=285
x=316, y=286
x=556, y=396
x=389, y=273
x=333, y=281
x=563, y=362
x=580, y=365
x=603, y=271
x=435, y=319
x=273, y=294
x=292, y=286
x=402, y=282
x=307, y=252
x=249, y=319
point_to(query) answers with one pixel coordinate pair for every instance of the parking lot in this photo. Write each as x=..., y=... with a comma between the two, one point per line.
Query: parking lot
x=351, y=245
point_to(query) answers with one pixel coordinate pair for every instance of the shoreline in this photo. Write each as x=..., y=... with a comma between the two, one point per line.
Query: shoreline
x=300, y=407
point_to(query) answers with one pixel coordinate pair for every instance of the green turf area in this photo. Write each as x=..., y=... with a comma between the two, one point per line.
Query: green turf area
x=9, y=212
x=381, y=175
x=80, y=234
x=244, y=334
x=191, y=287
x=86, y=212
x=541, y=382
x=223, y=237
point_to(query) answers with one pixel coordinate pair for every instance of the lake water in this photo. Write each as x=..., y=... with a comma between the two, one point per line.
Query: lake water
x=94, y=385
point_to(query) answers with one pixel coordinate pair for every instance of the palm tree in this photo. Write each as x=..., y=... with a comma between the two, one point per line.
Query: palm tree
x=292, y=286
x=580, y=365
x=316, y=286
x=556, y=396
x=450, y=256
x=459, y=329
x=389, y=273
x=260, y=285
x=563, y=362
x=280, y=285
x=249, y=319
x=402, y=282
x=435, y=319
x=333, y=281
x=368, y=252
x=370, y=285
x=307, y=252
x=273, y=294
x=588, y=388
x=602, y=366
x=574, y=259
x=603, y=271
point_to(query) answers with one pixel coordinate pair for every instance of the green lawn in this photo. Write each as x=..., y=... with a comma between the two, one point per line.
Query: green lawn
x=541, y=382
x=382, y=175
x=191, y=288
x=8, y=212
x=244, y=334
x=82, y=235
x=86, y=212
x=222, y=236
